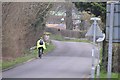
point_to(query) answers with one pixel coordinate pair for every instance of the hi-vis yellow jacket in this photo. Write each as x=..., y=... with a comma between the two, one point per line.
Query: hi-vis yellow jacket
x=38, y=45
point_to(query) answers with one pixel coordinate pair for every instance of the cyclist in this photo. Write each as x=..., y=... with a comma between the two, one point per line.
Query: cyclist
x=40, y=45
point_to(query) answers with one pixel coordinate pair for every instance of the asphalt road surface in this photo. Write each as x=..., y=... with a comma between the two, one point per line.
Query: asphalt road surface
x=68, y=60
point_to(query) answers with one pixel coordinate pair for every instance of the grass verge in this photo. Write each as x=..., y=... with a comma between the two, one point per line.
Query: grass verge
x=77, y=40
x=103, y=73
x=50, y=48
x=8, y=64
x=61, y=38
x=57, y=37
x=32, y=54
x=0, y=65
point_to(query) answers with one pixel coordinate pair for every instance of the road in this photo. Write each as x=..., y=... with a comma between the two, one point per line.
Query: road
x=68, y=60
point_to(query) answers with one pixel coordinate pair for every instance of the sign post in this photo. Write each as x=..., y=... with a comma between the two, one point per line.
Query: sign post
x=112, y=30
x=94, y=31
x=110, y=40
x=99, y=40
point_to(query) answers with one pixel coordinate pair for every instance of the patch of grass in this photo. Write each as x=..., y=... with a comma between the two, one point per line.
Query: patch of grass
x=77, y=40
x=50, y=47
x=7, y=64
x=101, y=54
x=0, y=65
x=26, y=57
x=61, y=38
x=57, y=37
x=103, y=74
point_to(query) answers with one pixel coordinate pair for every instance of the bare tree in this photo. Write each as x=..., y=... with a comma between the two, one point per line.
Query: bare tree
x=69, y=22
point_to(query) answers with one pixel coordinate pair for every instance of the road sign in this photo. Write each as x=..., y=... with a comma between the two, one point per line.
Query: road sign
x=94, y=32
x=91, y=31
x=95, y=18
x=101, y=38
x=116, y=22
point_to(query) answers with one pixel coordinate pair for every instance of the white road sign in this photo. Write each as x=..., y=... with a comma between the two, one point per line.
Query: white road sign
x=91, y=31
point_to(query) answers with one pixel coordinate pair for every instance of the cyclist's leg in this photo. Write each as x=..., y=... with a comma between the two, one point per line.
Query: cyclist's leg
x=42, y=50
x=39, y=55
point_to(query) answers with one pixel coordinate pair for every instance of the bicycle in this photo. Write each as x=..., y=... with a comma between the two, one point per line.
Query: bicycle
x=40, y=52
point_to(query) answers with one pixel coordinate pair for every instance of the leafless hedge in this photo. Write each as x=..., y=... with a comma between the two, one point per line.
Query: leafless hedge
x=67, y=33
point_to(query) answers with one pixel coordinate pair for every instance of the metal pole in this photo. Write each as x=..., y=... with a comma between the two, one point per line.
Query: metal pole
x=110, y=40
x=98, y=66
x=93, y=50
x=93, y=68
x=0, y=40
x=94, y=37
